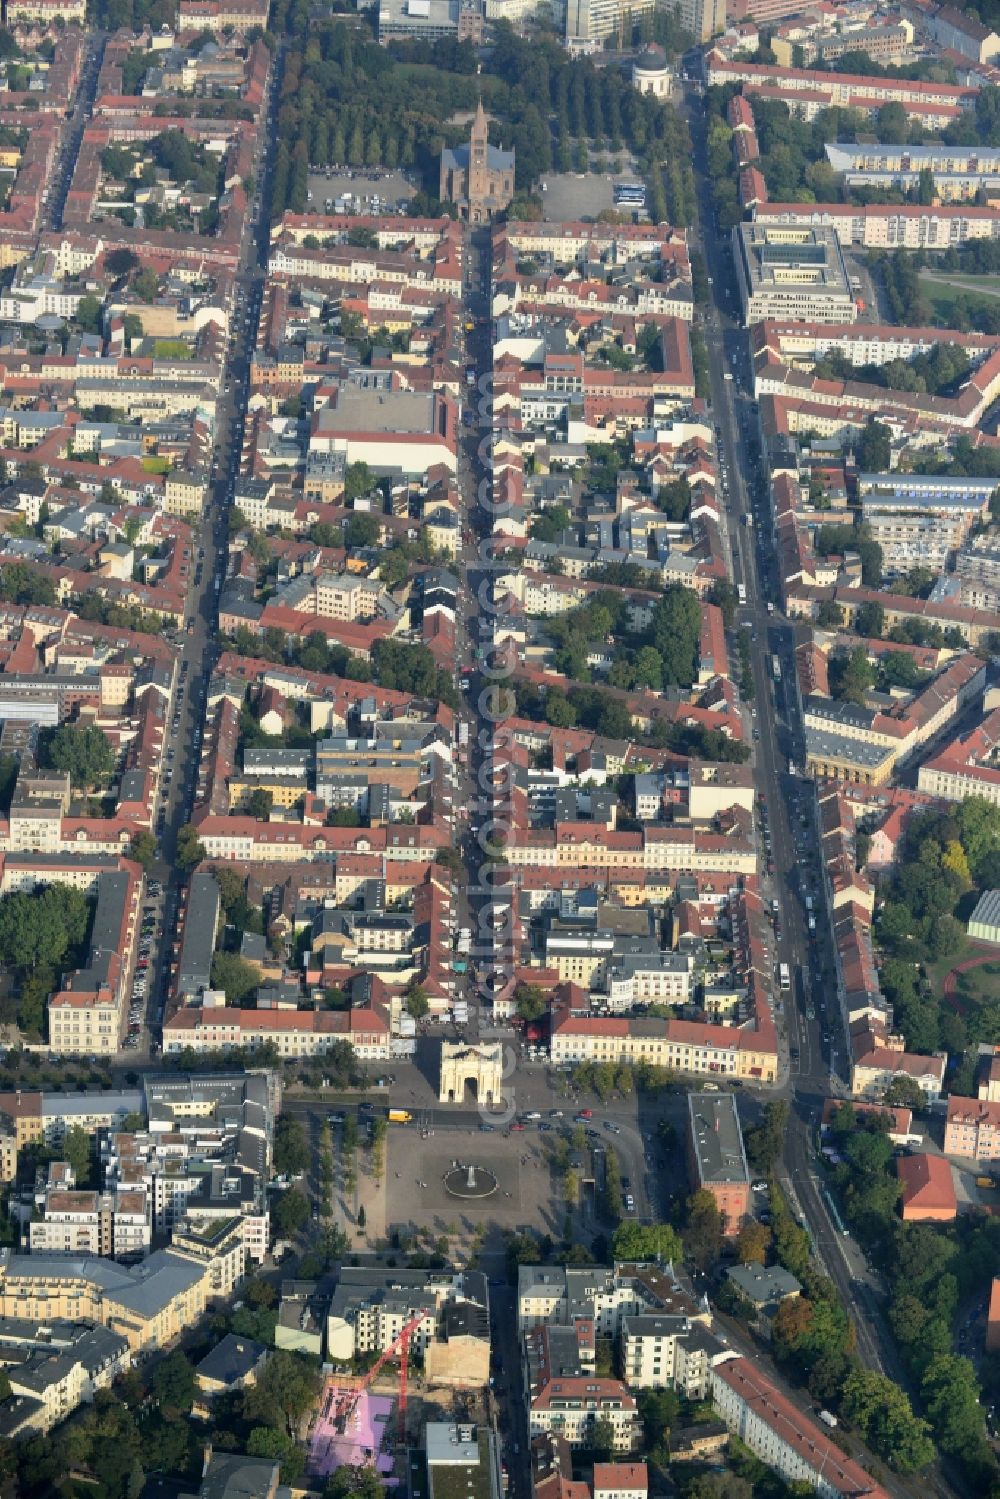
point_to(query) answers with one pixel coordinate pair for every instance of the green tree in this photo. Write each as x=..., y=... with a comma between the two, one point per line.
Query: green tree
x=658, y=1412
x=676, y=631
x=358, y=480
x=852, y=676
x=10, y=765
x=362, y=530
x=41, y=929
x=190, y=851
x=752, y=1243
x=235, y=975
x=351, y=1482
x=143, y=849
x=950, y=1393
x=601, y=1441
x=882, y=1412
x=291, y=1212
x=291, y=1146
x=88, y=313
x=979, y=830
x=264, y=1441
x=173, y=1385
x=417, y=1003
x=643, y=1242
x=20, y=584
x=286, y=1388
x=146, y=284
x=76, y=1151
x=120, y=262
x=765, y=1141
x=874, y=449
x=83, y=753
x=259, y=803
x=904, y=1093
x=702, y=1233
x=529, y=1000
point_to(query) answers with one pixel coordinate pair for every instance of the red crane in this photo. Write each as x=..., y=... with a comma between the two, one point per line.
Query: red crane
x=348, y=1404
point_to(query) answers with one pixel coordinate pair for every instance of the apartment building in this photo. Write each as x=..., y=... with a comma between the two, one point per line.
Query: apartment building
x=716, y=1158
x=872, y=740
x=960, y=173
x=54, y=1380
x=148, y=1304
x=621, y=1481
x=295, y=1033
x=691, y=1046
x=919, y=520
x=590, y=22
x=86, y=1015
x=852, y=90
x=462, y=1459
x=972, y=1129
x=977, y=564
x=201, y=924
x=337, y=596
x=879, y=1056
x=703, y=18
x=218, y=1244
x=73, y=1223
x=783, y=1436
x=570, y=1406
x=667, y=1352
x=563, y=1295
x=46, y=1116
x=885, y=226
x=968, y=766
x=38, y=806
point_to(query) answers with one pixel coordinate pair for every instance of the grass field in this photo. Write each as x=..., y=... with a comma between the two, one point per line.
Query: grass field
x=979, y=984
x=942, y=288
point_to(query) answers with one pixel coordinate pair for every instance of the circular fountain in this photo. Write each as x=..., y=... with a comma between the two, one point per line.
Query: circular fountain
x=470, y=1182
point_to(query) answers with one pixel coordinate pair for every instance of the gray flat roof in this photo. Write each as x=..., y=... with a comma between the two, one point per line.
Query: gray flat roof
x=829, y=745
x=717, y=1138
x=390, y=411
x=200, y=923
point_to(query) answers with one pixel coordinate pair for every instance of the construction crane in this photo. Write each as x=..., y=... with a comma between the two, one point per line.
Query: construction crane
x=347, y=1406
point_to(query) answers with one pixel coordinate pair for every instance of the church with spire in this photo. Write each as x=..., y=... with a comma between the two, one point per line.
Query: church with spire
x=477, y=178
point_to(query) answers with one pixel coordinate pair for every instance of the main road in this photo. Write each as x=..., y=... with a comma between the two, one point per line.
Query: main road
x=815, y=1061
x=198, y=637
x=811, y=1048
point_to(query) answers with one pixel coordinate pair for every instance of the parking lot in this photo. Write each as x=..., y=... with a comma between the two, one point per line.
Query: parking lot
x=392, y=189
x=572, y=195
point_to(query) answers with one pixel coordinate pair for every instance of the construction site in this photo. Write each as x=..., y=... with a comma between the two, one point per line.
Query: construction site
x=369, y=1420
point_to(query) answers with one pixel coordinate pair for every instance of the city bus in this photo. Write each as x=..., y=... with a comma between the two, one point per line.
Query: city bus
x=776, y=668
x=630, y=192
x=784, y=978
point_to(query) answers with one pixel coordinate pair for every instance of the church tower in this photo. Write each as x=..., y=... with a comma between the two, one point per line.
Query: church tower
x=479, y=146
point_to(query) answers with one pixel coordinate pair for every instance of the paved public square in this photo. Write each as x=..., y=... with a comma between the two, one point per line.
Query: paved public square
x=525, y=1195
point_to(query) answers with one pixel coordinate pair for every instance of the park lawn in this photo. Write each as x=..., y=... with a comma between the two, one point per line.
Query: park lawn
x=155, y=465
x=172, y=348
x=979, y=984
x=958, y=280
x=974, y=290
x=939, y=969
